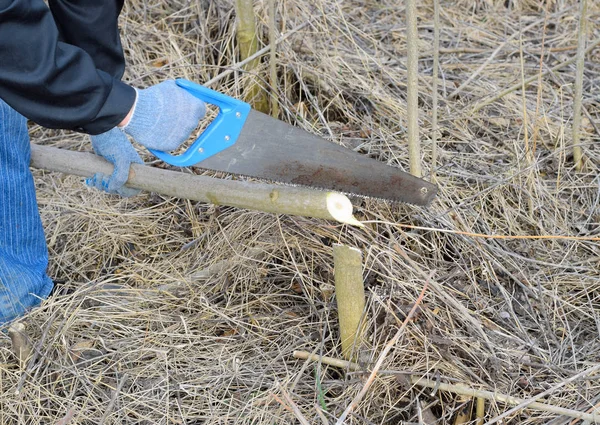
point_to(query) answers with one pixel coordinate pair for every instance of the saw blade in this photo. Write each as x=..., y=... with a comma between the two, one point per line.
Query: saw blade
x=273, y=150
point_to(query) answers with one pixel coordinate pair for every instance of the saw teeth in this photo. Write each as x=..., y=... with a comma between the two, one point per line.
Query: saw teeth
x=322, y=189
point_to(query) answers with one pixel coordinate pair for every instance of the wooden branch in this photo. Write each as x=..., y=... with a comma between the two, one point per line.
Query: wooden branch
x=242, y=194
x=503, y=398
x=331, y=361
x=350, y=296
x=528, y=402
x=480, y=395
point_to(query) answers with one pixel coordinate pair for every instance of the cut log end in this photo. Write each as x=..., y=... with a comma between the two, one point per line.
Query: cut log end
x=340, y=208
x=21, y=345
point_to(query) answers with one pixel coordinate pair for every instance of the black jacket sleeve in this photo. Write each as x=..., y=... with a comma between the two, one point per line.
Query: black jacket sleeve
x=92, y=25
x=58, y=84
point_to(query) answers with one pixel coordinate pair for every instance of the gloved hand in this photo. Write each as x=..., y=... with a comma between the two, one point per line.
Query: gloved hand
x=164, y=116
x=116, y=149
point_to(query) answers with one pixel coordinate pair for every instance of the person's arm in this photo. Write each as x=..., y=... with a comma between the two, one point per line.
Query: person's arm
x=52, y=82
x=92, y=25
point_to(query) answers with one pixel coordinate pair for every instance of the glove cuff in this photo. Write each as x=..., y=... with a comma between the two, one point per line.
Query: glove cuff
x=133, y=108
x=144, y=117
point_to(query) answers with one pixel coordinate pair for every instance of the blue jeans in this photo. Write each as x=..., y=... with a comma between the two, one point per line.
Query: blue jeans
x=23, y=252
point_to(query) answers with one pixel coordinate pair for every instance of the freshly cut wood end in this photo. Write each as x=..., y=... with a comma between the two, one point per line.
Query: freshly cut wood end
x=350, y=248
x=340, y=208
x=21, y=346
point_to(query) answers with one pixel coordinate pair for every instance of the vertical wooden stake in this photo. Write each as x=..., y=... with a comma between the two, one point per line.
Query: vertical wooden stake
x=480, y=410
x=434, y=88
x=21, y=346
x=248, y=45
x=350, y=296
x=412, y=92
x=577, y=151
x=463, y=415
x=273, y=61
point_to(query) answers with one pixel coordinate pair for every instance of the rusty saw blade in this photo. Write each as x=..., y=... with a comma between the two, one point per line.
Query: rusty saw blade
x=271, y=149
x=246, y=142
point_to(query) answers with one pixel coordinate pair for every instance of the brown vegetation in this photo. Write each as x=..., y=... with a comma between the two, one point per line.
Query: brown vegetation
x=186, y=313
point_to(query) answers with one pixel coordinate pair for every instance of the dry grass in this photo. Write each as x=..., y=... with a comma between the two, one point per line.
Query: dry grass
x=176, y=345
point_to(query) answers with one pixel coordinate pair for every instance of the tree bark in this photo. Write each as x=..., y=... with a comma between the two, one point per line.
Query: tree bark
x=278, y=199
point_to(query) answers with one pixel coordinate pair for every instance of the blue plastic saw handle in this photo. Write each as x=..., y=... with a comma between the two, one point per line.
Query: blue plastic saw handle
x=221, y=133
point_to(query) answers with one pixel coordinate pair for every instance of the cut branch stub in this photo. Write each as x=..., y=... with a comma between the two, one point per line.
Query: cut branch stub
x=350, y=296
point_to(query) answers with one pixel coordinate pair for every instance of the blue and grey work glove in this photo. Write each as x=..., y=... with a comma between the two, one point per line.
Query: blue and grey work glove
x=116, y=148
x=164, y=116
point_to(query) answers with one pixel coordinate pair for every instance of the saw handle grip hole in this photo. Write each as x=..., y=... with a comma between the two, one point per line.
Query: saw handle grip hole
x=214, y=135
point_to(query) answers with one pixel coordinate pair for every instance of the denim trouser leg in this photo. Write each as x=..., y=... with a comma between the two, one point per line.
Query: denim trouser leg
x=23, y=251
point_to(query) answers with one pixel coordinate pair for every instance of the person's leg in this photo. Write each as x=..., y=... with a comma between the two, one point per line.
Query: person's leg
x=23, y=251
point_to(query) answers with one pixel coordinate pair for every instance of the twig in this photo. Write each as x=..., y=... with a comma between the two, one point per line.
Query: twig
x=322, y=416
x=536, y=126
x=238, y=65
x=591, y=409
x=294, y=407
x=419, y=412
x=529, y=154
x=248, y=44
x=331, y=361
x=503, y=398
x=530, y=401
x=487, y=236
x=493, y=55
x=382, y=357
x=283, y=403
x=113, y=399
x=67, y=418
x=458, y=50
x=529, y=80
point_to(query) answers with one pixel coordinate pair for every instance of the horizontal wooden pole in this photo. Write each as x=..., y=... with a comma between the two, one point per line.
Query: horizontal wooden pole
x=278, y=199
x=504, y=398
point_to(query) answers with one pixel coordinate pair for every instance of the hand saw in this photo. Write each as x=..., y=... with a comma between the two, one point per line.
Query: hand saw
x=246, y=142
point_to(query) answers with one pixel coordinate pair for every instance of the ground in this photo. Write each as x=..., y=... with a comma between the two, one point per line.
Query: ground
x=186, y=313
